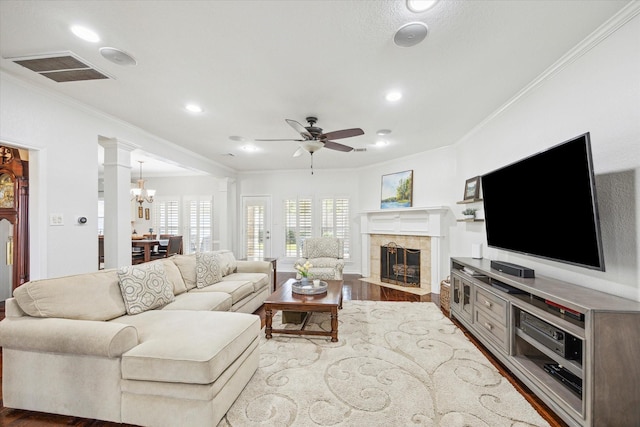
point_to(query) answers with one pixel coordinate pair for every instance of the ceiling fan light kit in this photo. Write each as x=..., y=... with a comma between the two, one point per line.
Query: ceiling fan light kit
x=313, y=139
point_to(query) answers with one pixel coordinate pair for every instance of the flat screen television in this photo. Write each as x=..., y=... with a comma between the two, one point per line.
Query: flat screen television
x=545, y=206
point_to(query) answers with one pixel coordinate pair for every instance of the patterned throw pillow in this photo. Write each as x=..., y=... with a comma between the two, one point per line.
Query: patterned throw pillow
x=145, y=287
x=208, y=269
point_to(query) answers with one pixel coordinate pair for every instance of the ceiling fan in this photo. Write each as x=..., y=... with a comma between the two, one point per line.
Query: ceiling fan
x=314, y=139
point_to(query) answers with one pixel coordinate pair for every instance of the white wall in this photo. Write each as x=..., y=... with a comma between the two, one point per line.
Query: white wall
x=62, y=136
x=290, y=184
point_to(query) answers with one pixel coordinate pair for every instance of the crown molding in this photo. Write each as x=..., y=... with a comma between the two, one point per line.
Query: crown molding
x=603, y=32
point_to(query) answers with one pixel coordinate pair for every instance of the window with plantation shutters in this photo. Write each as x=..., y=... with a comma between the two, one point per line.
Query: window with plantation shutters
x=166, y=216
x=255, y=217
x=298, y=225
x=200, y=225
x=335, y=220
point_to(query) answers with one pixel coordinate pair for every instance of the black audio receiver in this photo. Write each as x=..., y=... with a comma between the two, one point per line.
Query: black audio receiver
x=559, y=341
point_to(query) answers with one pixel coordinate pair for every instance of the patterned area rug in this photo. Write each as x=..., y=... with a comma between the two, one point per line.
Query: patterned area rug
x=396, y=364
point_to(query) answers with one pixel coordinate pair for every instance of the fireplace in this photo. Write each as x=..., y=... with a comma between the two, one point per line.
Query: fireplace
x=399, y=266
x=420, y=228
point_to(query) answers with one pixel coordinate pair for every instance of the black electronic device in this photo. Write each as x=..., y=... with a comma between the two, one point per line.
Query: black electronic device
x=560, y=182
x=555, y=339
x=573, y=382
x=512, y=269
x=506, y=288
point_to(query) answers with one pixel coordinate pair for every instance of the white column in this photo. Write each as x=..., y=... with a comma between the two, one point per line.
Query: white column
x=117, y=202
x=226, y=208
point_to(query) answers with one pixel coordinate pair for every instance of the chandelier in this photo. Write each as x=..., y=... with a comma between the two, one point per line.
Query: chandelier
x=141, y=194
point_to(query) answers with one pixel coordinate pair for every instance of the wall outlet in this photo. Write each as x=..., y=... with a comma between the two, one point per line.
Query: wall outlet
x=56, y=219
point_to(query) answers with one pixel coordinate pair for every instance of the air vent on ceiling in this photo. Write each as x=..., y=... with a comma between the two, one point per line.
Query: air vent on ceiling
x=60, y=67
x=359, y=150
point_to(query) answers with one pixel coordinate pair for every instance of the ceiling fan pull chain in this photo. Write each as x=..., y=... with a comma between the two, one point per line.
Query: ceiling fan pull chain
x=311, y=163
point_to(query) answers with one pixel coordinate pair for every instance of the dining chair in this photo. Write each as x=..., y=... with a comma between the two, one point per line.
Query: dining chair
x=100, y=252
x=174, y=247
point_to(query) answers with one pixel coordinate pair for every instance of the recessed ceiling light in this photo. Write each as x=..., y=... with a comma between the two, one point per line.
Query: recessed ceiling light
x=383, y=132
x=85, y=34
x=194, y=108
x=250, y=148
x=393, y=96
x=420, y=5
x=381, y=143
x=238, y=138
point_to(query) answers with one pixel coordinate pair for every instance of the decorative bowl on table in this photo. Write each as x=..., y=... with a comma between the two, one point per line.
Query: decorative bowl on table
x=308, y=288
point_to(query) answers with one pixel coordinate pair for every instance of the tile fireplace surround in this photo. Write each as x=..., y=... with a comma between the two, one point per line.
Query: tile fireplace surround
x=413, y=228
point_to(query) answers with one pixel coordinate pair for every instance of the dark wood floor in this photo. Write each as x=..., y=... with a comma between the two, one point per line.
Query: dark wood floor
x=354, y=289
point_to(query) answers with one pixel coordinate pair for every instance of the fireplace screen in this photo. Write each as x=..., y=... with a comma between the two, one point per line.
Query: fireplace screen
x=399, y=266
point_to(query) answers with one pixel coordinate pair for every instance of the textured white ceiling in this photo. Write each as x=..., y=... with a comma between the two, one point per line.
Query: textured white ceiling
x=251, y=64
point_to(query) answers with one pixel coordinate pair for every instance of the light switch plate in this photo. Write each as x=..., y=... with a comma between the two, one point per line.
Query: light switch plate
x=56, y=219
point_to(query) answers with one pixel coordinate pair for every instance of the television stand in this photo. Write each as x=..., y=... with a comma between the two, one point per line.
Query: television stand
x=513, y=269
x=575, y=348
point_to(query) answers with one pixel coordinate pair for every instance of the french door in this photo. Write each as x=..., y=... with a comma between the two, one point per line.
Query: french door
x=256, y=228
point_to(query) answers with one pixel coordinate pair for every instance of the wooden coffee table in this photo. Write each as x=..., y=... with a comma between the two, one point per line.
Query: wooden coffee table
x=284, y=299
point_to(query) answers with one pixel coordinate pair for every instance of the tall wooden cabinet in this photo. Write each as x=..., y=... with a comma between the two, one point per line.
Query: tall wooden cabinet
x=577, y=349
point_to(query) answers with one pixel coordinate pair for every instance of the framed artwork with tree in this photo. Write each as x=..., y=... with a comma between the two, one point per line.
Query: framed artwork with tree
x=397, y=190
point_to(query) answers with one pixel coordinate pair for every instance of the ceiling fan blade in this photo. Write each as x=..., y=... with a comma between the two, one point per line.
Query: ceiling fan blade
x=298, y=152
x=297, y=140
x=344, y=133
x=299, y=128
x=337, y=146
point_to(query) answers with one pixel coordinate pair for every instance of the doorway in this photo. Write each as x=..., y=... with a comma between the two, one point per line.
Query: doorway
x=256, y=229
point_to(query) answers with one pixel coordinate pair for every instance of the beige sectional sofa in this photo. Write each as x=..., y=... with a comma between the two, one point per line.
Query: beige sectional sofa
x=71, y=347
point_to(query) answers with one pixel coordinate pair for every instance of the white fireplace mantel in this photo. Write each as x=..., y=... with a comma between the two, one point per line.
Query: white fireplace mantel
x=425, y=221
x=418, y=221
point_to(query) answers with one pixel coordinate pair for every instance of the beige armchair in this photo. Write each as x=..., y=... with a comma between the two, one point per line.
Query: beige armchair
x=326, y=257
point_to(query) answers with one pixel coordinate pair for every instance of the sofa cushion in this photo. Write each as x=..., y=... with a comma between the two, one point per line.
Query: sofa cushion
x=208, y=269
x=90, y=296
x=259, y=280
x=187, y=266
x=237, y=289
x=174, y=276
x=207, y=301
x=172, y=350
x=145, y=287
x=227, y=261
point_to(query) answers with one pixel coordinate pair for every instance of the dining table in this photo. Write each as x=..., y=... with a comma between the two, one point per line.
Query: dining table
x=147, y=246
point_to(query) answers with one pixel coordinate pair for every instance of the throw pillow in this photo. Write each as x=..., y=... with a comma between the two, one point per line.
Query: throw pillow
x=208, y=269
x=145, y=287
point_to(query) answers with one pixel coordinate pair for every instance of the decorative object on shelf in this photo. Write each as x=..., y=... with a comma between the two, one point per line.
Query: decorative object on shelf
x=309, y=288
x=469, y=213
x=141, y=194
x=397, y=190
x=472, y=189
